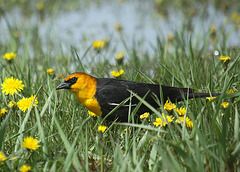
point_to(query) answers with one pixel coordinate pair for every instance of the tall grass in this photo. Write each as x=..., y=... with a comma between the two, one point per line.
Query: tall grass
x=68, y=137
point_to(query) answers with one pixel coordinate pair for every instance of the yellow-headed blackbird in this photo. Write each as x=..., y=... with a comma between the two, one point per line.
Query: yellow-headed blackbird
x=102, y=95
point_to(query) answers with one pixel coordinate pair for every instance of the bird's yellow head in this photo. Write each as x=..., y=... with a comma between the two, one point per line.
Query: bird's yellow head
x=81, y=84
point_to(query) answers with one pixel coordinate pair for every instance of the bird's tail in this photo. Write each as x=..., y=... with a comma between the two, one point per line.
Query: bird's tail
x=179, y=94
x=195, y=95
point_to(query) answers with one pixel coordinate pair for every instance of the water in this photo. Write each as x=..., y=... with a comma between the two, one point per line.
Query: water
x=140, y=23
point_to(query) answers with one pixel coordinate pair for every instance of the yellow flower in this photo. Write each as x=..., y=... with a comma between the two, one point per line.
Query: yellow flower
x=119, y=57
x=40, y=6
x=9, y=56
x=181, y=119
x=224, y=59
x=25, y=103
x=225, y=105
x=155, y=138
x=117, y=74
x=97, y=45
x=181, y=111
x=3, y=111
x=2, y=158
x=30, y=143
x=25, y=168
x=145, y=115
x=102, y=128
x=92, y=114
x=236, y=17
x=212, y=30
x=50, y=71
x=125, y=130
x=16, y=34
x=160, y=122
x=170, y=37
x=188, y=121
x=118, y=27
x=210, y=98
x=169, y=106
x=12, y=103
x=11, y=86
x=231, y=91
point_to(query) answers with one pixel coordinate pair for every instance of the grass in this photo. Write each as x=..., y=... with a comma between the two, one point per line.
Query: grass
x=68, y=136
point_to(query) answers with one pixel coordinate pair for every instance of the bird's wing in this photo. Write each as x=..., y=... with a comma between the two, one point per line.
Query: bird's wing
x=112, y=92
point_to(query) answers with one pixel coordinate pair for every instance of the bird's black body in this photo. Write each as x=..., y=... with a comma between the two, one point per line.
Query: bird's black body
x=102, y=95
x=111, y=92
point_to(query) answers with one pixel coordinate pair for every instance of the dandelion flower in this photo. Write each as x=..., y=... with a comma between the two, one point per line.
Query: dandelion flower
x=213, y=31
x=181, y=111
x=224, y=59
x=117, y=74
x=235, y=17
x=16, y=34
x=155, y=138
x=2, y=158
x=11, y=86
x=210, y=98
x=102, y=128
x=9, y=56
x=170, y=37
x=160, y=122
x=30, y=143
x=125, y=130
x=119, y=57
x=118, y=27
x=188, y=121
x=97, y=45
x=181, y=119
x=225, y=105
x=25, y=168
x=12, y=103
x=25, y=103
x=92, y=114
x=145, y=115
x=231, y=91
x=3, y=111
x=50, y=71
x=169, y=106
x=40, y=6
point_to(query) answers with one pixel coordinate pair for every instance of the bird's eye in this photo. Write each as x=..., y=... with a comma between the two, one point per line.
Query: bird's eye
x=72, y=80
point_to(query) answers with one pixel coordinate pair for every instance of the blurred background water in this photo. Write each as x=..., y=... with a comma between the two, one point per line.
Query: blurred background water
x=143, y=23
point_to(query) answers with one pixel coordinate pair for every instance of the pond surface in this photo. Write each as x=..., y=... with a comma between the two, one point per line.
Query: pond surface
x=140, y=23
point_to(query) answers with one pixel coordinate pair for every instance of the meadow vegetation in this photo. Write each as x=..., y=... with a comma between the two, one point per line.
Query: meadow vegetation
x=42, y=129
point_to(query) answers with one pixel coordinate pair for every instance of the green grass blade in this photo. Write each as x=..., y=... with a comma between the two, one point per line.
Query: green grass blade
x=72, y=151
x=3, y=128
x=236, y=124
x=76, y=162
x=40, y=127
x=22, y=127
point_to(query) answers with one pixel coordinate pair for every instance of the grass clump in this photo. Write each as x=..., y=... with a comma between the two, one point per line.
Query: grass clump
x=196, y=135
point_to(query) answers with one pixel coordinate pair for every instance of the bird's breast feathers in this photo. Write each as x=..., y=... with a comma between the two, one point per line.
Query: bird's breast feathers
x=90, y=103
x=93, y=105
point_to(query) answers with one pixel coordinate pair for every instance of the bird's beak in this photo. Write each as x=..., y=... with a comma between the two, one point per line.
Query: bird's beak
x=63, y=85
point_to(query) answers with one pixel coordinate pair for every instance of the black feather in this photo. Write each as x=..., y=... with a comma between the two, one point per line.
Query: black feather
x=111, y=92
